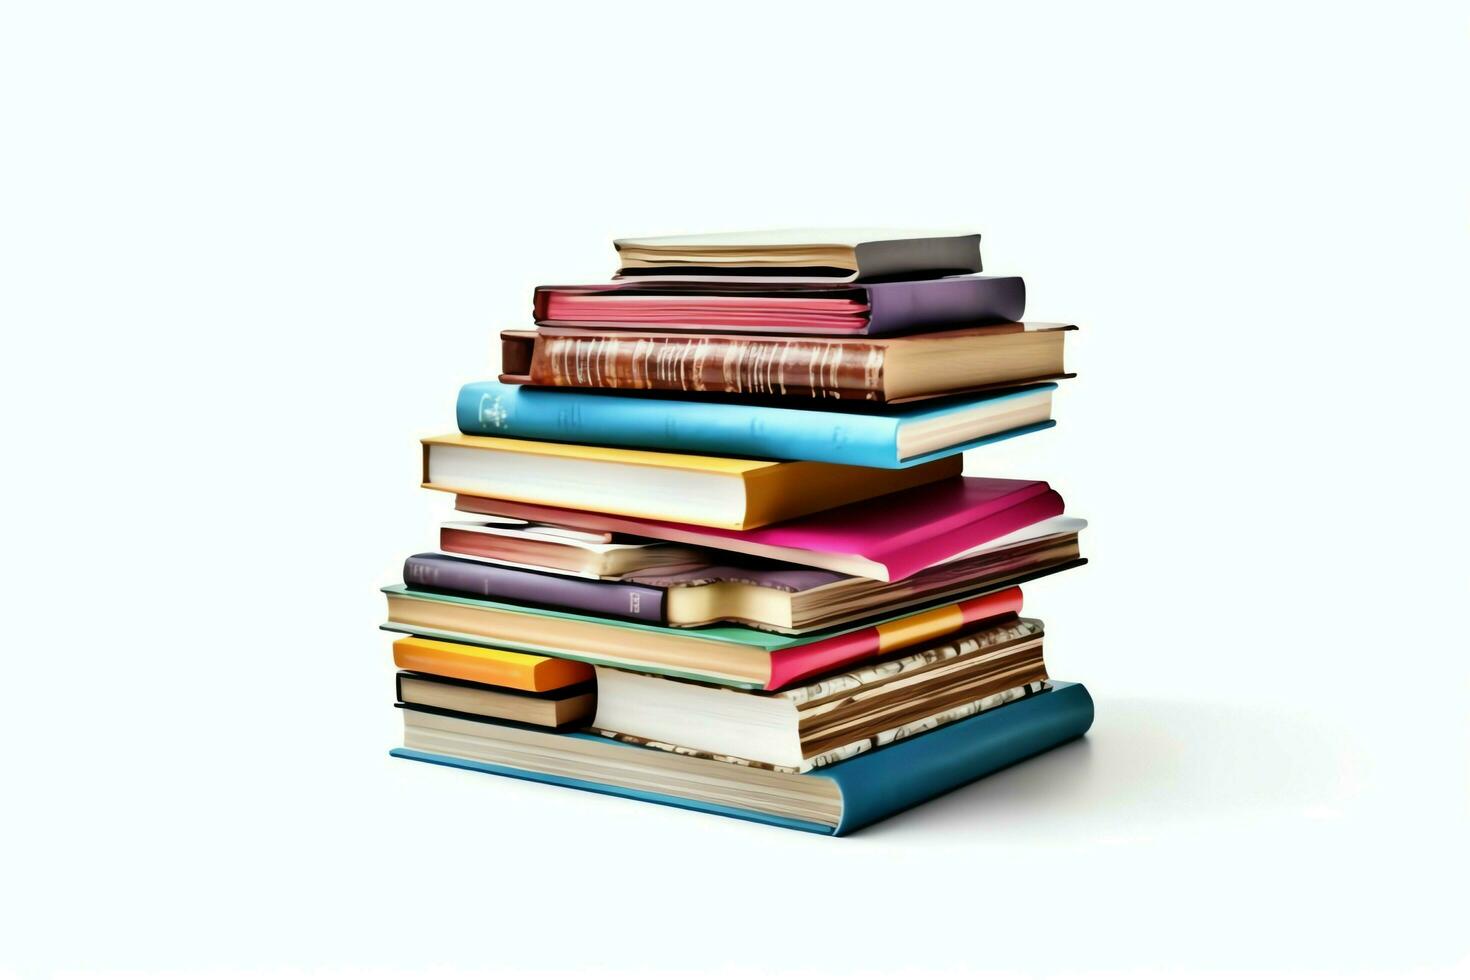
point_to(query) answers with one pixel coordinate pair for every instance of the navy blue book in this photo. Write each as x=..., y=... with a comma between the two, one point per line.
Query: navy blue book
x=834, y=800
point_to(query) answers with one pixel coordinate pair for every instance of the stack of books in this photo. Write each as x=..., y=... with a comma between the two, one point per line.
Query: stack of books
x=715, y=549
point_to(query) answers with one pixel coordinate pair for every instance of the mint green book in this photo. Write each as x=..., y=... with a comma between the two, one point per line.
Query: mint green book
x=735, y=656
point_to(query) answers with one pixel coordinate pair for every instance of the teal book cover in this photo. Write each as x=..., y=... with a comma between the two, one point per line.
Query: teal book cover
x=856, y=436
x=872, y=786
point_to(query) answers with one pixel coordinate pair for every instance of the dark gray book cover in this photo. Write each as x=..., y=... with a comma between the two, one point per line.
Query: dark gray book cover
x=876, y=254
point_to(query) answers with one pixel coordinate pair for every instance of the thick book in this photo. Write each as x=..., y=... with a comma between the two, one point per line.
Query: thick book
x=716, y=491
x=485, y=665
x=559, y=708
x=828, y=254
x=883, y=370
x=832, y=717
x=642, y=560
x=888, y=538
x=849, y=433
x=867, y=309
x=732, y=655
x=833, y=800
x=774, y=596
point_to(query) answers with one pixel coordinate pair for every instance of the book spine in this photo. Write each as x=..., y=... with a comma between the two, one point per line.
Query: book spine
x=730, y=364
x=961, y=301
x=874, y=785
x=444, y=574
x=907, y=773
x=800, y=662
x=441, y=662
x=493, y=409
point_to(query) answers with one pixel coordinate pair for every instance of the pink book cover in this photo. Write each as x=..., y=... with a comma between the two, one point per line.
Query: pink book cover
x=887, y=538
x=594, y=306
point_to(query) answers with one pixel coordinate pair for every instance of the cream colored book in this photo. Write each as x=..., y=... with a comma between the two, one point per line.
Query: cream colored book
x=833, y=717
x=714, y=491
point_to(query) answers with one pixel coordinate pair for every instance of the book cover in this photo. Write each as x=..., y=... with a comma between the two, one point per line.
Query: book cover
x=829, y=718
x=869, y=309
x=768, y=596
x=856, y=747
x=444, y=572
x=736, y=656
x=874, y=785
x=821, y=434
x=888, y=538
x=882, y=370
x=834, y=254
x=564, y=708
x=772, y=490
x=486, y=665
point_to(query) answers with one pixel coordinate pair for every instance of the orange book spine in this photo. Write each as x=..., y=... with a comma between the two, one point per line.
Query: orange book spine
x=484, y=665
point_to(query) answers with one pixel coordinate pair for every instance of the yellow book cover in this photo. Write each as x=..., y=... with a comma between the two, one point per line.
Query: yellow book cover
x=485, y=665
x=714, y=491
x=605, y=454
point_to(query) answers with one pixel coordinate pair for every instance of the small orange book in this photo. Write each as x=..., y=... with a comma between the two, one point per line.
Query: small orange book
x=486, y=665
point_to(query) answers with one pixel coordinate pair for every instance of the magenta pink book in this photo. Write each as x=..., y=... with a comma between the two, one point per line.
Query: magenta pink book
x=564, y=305
x=887, y=538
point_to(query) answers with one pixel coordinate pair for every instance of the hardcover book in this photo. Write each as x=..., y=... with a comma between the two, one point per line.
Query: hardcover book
x=831, y=254
x=846, y=432
x=733, y=655
x=869, y=309
x=590, y=554
x=835, y=800
x=828, y=718
x=883, y=370
x=485, y=665
x=773, y=596
x=717, y=491
x=466, y=576
x=888, y=538
x=547, y=709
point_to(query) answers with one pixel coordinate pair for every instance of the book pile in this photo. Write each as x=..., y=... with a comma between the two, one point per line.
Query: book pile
x=715, y=549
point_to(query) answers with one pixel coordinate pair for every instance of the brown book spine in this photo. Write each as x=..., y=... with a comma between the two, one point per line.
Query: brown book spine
x=799, y=367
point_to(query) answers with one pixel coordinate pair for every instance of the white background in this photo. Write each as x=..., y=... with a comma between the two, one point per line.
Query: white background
x=251, y=251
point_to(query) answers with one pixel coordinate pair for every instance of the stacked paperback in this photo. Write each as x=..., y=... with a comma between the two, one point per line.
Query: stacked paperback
x=714, y=547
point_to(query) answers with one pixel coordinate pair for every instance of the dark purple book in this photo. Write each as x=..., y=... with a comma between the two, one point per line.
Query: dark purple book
x=854, y=309
x=443, y=573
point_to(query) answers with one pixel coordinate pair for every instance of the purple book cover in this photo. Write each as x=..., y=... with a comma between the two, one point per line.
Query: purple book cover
x=446, y=574
x=955, y=301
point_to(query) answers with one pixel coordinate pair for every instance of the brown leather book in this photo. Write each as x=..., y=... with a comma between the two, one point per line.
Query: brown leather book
x=873, y=369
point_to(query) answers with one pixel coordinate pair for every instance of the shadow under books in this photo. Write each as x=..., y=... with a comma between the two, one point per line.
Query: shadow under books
x=1144, y=760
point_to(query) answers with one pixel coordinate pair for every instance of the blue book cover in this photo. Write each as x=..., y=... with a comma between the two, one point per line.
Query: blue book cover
x=854, y=436
x=878, y=784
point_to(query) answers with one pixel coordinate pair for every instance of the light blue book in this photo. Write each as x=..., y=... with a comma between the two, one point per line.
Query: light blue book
x=835, y=799
x=889, y=437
